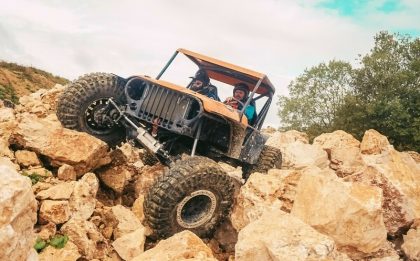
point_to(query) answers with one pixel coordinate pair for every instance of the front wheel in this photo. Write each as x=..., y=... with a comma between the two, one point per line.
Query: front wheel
x=195, y=194
x=83, y=106
x=270, y=158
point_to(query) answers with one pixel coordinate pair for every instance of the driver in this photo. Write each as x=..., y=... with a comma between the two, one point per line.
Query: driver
x=201, y=84
x=240, y=96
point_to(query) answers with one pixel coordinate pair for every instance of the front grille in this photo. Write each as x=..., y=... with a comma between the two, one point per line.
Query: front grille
x=168, y=108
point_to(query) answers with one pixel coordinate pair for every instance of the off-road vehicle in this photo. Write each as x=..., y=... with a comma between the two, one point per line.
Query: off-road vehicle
x=169, y=120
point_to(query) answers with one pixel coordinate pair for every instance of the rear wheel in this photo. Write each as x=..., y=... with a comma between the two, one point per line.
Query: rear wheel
x=83, y=106
x=270, y=158
x=195, y=194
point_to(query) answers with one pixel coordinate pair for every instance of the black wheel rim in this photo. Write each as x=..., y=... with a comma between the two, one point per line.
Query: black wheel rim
x=97, y=118
x=196, y=209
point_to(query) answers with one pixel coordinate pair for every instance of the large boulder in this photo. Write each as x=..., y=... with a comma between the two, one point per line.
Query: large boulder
x=262, y=193
x=411, y=245
x=400, y=171
x=17, y=215
x=84, y=234
x=343, y=151
x=350, y=213
x=127, y=222
x=277, y=235
x=281, y=139
x=181, y=246
x=59, y=145
x=298, y=155
x=130, y=245
x=82, y=201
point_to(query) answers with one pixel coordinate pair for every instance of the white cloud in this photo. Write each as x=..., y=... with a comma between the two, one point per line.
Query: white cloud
x=279, y=38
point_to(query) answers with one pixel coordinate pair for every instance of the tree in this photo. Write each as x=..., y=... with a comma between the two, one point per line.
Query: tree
x=315, y=97
x=387, y=92
x=382, y=94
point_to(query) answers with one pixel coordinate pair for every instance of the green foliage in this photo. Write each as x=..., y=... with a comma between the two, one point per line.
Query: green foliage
x=35, y=178
x=383, y=93
x=40, y=244
x=315, y=98
x=8, y=93
x=59, y=241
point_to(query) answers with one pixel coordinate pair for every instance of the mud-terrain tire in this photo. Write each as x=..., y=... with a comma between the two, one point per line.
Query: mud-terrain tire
x=270, y=158
x=86, y=95
x=195, y=194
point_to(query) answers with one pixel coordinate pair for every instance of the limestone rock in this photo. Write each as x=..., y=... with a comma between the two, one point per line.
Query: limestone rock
x=7, y=115
x=57, y=192
x=235, y=173
x=396, y=211
x=86, y=237
x=278, y=235
x=47, y=231
x=411, y=246
x=66, y=172
x=281, y=139
x=262, y=193
x=59, y=145
x=115, y=178
x=137, y=208
x=130, y=245
x=68, y=253
x=350, y=213
x=41, y=171
x=402, y=174
x=131, y=154
x=4, y=161
x=415, y=155
x=82, y=201
x=17, y=215
x=27, y=158
x=374, y=143
x=343, y=151
x=181, y=246
x=298, y=155
x=57, y=212
x=127, y=221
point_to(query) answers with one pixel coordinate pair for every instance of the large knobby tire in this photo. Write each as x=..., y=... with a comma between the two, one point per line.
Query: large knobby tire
x=195, y=194
x=270, y=158
x=86, y=97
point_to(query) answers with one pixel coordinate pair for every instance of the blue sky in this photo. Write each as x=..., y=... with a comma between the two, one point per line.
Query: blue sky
x=277, y=37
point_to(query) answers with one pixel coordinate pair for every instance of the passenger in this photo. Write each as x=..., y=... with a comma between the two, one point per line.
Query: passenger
x=201, y=84
x=240, y=96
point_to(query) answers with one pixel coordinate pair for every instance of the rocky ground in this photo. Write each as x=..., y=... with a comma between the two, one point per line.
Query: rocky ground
x=68, y=195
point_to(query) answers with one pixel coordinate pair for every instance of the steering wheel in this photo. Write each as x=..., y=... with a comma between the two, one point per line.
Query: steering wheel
x=238, y=101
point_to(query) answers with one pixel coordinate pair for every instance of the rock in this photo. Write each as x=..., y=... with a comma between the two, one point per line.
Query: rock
x=262, y=193
x=278, y=235
x=298, y=155
x=47, y=231
x=401, y=172
x=68, y=253
x=235, y=173
x=130, y=245
x=4, y=149
x=7, y=115
x=57, y=212
x=82, y=201
x=27, y=158
x=8, y=163
x=131, y=154
x=146, y=178
x=282, y=139
x=374, y=143
x=181, y=246
x=127, y=221
x=58, y=144
x=66, y=172
x=57, y=192
x=41, y=171
x=137, y=208
x=86, y=237
x=343, y=151
x=415, y=155
x=411, y=245
x=226, y=237
x=18, y=209
x=350, y=213
x=115, y=178
x=396, y=211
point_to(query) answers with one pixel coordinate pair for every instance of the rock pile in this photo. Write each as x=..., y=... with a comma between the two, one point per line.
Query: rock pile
x=70, y=196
